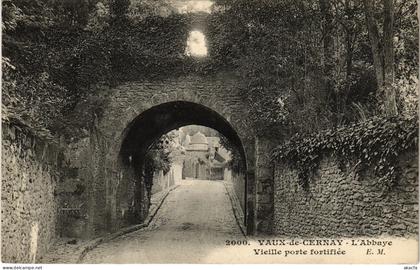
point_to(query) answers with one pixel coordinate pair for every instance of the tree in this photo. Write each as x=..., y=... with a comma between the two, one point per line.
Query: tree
x=142, y=9
x=119, y=10
x=383, y=54
x=325, y=8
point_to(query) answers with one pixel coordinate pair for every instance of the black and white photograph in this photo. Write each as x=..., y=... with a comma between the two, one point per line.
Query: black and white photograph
x=209, y=132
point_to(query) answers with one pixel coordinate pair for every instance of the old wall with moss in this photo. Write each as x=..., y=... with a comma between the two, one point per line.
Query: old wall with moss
x=29, y=204
x=341, y=202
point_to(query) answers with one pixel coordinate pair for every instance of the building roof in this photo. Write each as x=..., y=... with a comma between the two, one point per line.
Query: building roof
x=187, y=140
x=199, y=138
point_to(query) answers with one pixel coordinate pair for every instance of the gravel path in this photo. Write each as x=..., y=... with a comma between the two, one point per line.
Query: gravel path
x=191, y=227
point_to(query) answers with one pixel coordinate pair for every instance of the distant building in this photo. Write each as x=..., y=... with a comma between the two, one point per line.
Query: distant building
x=204, y=158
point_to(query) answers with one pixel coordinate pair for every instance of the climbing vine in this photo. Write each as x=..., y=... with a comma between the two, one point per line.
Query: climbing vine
x=59, y=50
x=377, y=142
x=236, y=164
x=79, y=58
x=158, y=157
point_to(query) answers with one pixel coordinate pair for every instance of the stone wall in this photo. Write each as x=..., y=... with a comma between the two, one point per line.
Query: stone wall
x=264, y=185
x=124, y=104
x=112, y=188
x=162, y=181
x=339, y=202
x=237, y=180
x=87, y=207
x=29, y=205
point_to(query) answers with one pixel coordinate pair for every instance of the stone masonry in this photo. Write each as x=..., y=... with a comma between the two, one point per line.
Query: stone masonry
x=28, y=196
x=111, y=183
x=94, y=186
x=341, y=204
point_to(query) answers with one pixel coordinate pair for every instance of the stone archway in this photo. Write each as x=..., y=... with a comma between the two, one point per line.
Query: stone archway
x=144, y=130
x=216, y=102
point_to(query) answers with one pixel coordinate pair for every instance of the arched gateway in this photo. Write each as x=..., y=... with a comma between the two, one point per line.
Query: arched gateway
x=136, y=114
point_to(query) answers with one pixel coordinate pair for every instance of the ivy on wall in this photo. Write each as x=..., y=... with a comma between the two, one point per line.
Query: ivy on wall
x=55, y=52
x=42, y=87
x=375, y=143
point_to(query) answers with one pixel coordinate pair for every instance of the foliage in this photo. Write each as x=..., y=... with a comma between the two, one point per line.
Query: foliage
x=270, y=45
x=42, y=86
x=377, y=142
x=149, y=49
x=99, y=19
x=236, y=162
x=406, y=55
x=160, y=154
x=59, y=65
x=31, y=100
x=140, y=10
x=119, y=13
x=277, y=49
x=51, y=62
x=60, y=49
